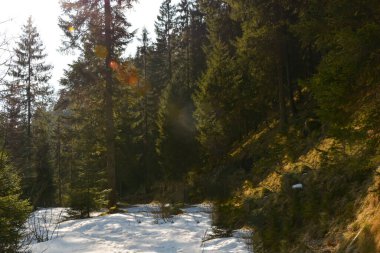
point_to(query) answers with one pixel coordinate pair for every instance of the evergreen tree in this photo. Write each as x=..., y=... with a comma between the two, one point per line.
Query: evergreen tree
x=175, y=122
x=217, y=104
x=145, y=98
x=27, y=93
x=197, y=34
x=43, y=191
x=62, y=151
x=14, y=137
x=165, y=37
x=13, y=210
x=183, y=21
x=31, y=73
x=191, y=33
x=101, y=25
x=5, y=56
x=346, y=36
x=270, y=53
x=87, y=185
x=82, y=142
x=217, y=98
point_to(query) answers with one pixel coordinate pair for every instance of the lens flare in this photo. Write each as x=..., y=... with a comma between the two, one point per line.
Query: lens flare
x=114, y=65
x=101, y=51
x=133, y=78
x=125, y=72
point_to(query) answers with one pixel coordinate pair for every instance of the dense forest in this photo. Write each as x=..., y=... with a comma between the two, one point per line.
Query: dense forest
x=270, y=109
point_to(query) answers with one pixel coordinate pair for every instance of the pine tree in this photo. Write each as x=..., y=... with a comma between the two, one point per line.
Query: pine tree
x=14, y=137
x=104, y=28
x=82, y=145
x=61, y=140
x=191, y=38
x=27, y=93
x=163, y=58
x=13, y=210
x=32, y=73
x=198, y=39
x=176, y=125
x=345, y=35
x=217, y=107
x=216, y=100
x=5, y=56
x=164, y=28
x=87, y=182
x=269, y=53
x=146, y=98
x=43, y=191
x=183, y=20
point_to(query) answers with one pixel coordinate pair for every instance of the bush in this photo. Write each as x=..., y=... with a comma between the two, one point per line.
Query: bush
x=84, y=201
x=13, y=211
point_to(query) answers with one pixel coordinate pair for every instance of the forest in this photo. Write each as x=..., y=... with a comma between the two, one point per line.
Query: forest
x=269, y=109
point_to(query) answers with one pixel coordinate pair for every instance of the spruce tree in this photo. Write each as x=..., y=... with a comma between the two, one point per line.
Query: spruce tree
x=5, y=56
x=145, y=98
x=183, y=20
x=27, y=93
x=82, y=156
x=164, y=28
x=101, y=25
x=31, y=72
x=13, y=210
x=88, y=184
x=43, y=194
x=175, y=122
x=269, y=52
x=217, y=104
x=197, y=33
x=217, y=99
x=14, y=134
x=345, y=36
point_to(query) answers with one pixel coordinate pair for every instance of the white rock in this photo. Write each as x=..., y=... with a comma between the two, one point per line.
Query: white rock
x=297, y=186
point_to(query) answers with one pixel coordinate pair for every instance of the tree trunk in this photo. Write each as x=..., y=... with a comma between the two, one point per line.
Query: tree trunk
x=281, y=100
x=108, y=109
x=59, y=161
x=290, y=86
x=29, y=109
x=170, y=71
x=145, y=158
x=187, y=48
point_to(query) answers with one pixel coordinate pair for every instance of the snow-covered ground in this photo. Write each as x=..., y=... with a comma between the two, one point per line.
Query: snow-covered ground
x=140, y=229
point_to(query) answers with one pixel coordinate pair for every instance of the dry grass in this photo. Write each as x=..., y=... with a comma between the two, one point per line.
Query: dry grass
x=376, y=231
x=362, y=235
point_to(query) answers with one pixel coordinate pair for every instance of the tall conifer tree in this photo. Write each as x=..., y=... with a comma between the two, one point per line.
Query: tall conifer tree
x=30, y=71
x=102, y=26
x=27, y=93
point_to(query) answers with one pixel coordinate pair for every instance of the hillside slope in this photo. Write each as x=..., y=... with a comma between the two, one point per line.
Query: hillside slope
x=305, y=194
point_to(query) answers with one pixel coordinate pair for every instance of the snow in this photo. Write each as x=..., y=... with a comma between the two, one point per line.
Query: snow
x=140, y=229
x=297, y=186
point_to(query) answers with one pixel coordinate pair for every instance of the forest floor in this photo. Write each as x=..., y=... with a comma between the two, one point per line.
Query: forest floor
x=142, y=228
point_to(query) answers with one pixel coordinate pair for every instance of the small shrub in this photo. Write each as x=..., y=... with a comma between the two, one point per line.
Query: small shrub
x=42, y=225
x=13, y=211
x=84, y=201
x=165, y=212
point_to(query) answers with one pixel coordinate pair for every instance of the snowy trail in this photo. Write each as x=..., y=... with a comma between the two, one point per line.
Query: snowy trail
x=139, y=230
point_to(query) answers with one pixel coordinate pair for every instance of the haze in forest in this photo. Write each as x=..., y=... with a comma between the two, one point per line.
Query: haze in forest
x=243, y=126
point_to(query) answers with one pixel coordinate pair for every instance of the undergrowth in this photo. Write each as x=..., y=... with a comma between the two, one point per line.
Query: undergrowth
x=334, y=180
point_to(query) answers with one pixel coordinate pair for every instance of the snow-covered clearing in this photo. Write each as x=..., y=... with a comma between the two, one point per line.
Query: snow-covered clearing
x=140, y=230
